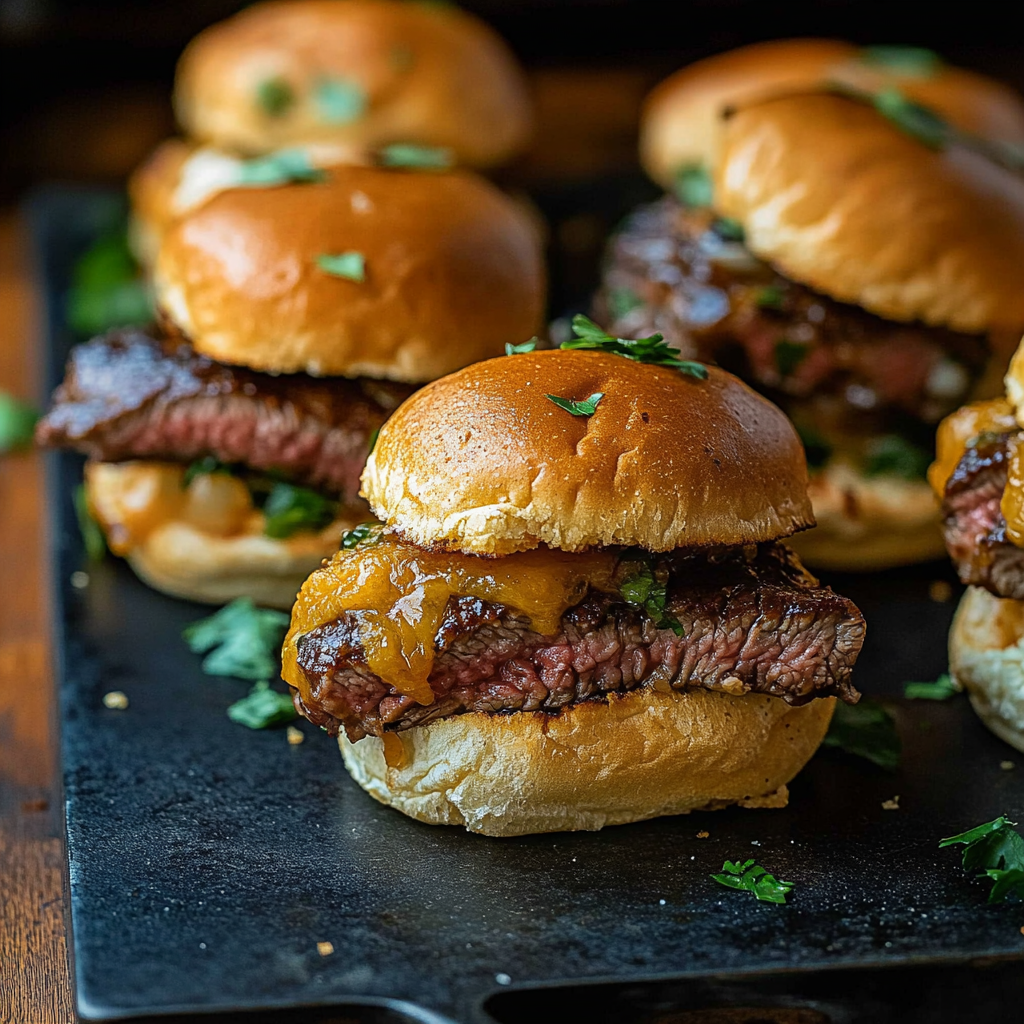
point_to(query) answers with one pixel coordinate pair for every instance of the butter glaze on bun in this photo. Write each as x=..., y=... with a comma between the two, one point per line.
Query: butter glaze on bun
x=835, y=196
x=452, y=270
x=394, y=72
x=682, y=117
x=632, y=757
x=483, y=462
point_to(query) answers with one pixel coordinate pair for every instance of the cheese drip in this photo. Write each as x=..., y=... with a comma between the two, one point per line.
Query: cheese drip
x=959, y=429
x=399, y=592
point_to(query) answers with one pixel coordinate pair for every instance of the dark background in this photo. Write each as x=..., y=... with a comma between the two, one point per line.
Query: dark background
x=85, y=86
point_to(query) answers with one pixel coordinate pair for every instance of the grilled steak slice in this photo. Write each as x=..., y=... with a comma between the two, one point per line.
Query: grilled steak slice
x=842, y=368
x=973, y=522
x=127, y=395
x=751, y=621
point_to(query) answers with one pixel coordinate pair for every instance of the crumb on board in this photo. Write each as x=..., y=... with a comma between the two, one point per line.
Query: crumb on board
x=703, y=835
x=1007, y=766
x=116, y=700
x=940, y=591
x=79, y=580
x=295, y=736
x=325, y=948
x=502, y=978
x=891, y=805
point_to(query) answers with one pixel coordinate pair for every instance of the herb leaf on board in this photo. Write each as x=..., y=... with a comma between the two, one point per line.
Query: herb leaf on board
x=750, y=877
x=263, y=708
x=866, y=730
x=239, y=640
x=942, y=689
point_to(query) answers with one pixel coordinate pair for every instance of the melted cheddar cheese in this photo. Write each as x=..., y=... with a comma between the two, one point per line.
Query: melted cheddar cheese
x=399, y=593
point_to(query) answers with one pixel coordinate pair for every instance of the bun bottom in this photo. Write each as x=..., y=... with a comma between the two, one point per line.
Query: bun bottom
x=639, y=755
x=869, y=523
x=986, y=657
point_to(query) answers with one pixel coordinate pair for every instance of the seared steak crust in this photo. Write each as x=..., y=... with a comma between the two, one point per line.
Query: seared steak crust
x=973, y=521
x=127, y=395
x=752, y=621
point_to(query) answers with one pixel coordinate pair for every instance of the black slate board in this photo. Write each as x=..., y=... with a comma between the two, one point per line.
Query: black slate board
x=206, y=861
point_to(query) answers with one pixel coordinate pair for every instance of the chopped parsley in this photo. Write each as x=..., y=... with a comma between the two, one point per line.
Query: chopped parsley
x=93, y=541
x=364, y=535
x=788, y=356
x=693, y=186
x=865, y=730
x=339, y=100
x=942, y=689
x=106, y=289
x=263, y=708
x=652, y=350
x=349, y=265
x=203, y=467
x=622, y=301
x=280, y=168
x=752, y=878
x=644, y=586
x=915, y=119
x=728, y=229
x=275, y=97
x=892, y=455
x=996, y=850
x=771, y=296
x=585, y=407
x=239, y=640
x=17, y=423
x=522, y=348
x=289, y=509
x=408, y=154
x=909, y=61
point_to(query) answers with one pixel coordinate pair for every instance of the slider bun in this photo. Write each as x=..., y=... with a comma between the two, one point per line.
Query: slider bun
x=838, y=198
x=869, y=523
x=453, y=271
x=986, y=657
x=423, y=73
x=681, y=120
x=639, y=755
x=483, y=462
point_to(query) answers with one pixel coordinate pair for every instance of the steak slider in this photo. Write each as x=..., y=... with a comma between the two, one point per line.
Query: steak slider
x=579, y=611
x=225, y=449
x=853, y=255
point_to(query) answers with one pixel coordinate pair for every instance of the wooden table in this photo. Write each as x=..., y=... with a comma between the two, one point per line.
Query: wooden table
x=34, y=982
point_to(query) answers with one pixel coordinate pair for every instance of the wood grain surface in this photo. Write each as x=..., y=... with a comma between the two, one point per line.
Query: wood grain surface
x=34, y=982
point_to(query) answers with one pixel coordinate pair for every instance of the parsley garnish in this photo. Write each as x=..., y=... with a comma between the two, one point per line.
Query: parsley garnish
x=788, y=356
x=262, y=708
x=647, y=587
x=364, y=535
x=280, y=168
x=622, y=301
x=995, y=849
x=642, y=350
x=693, y=186
x=339, y=100
x=106, y=289
x=93, y=541
x=913, y=118
x=289, y=508
x=752, y=878
x=911, y=61
x=17, y=423
x=349, y=265
x=204, y=466
x=240, y=640
x=274, y=96
x=771, y=296
x=892, y=455
x=942, y=689
x=585, y=407
x=728, y=229
x=866, y=730
x=522, y=348
x=408, y=154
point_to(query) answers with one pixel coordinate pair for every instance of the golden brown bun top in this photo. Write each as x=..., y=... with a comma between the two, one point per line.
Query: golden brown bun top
x=484, y=463
x=839, y=198
x=361, y=73
x=451, y=267
x=681, y=122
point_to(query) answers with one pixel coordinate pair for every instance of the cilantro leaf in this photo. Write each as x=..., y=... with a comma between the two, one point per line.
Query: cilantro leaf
x=289, y=509
x=202, y=467
x=789, y=356
x=653, y=349
x=280, y=168
x=866, y=730
x=892, y=455
x=942, y=689
x=408, y=154
x=693, y=186
x=106, y=289
x=645, y=587
x=339, y=100
x=752, y=878
x=771, y=296
x=372, y=443
x=585, y=407
x=916, y=120
x=1005, y=883
x=275, y=96
x=996, y=850
x=93, y=541
x=239, y=640
x=728, y=229
x=522, y=348
x=262, y=708
x=363, y=535
x=349, y=265
x=909, y=61
x=17, y=423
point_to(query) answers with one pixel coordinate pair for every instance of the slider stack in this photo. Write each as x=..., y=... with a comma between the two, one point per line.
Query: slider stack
x=316, y=254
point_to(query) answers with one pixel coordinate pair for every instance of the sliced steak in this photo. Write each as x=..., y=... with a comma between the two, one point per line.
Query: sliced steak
x=753, y=622
x=973, y=522
x=127, y=395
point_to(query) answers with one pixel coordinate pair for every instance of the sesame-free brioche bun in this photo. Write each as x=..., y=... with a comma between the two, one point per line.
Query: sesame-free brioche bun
x=633, y=756
x=986, y=658
x=869, y=523
x=837, y=197
x=358, y=73
x=189, y=543
x=682, y=118
x=451, y=269
x=484, y=462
